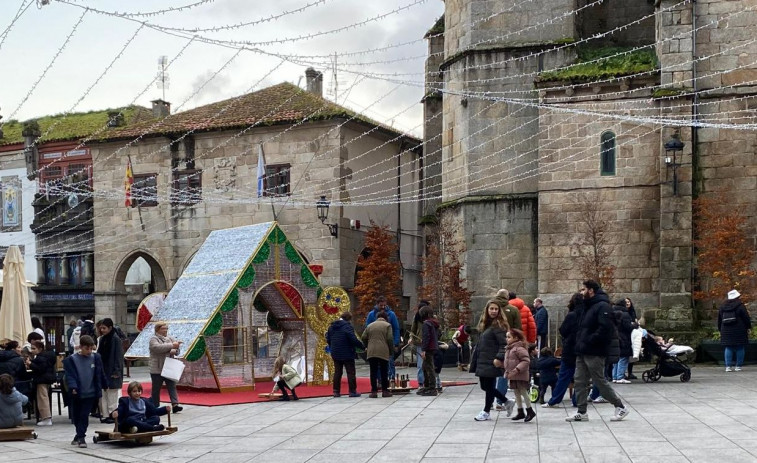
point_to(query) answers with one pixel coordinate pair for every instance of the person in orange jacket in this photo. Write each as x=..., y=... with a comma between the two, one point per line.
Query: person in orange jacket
x=526, y=317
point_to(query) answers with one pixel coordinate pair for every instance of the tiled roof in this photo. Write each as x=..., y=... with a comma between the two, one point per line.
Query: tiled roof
x=74, y=126
x=279, y=104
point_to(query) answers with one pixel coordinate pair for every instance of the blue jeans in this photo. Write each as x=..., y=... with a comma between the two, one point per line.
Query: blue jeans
x=501, y=388
x=729, y=350
x=419, y=363
x=564, y=377
x=619, y=369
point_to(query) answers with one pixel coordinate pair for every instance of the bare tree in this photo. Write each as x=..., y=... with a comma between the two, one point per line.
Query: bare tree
x=594, y=252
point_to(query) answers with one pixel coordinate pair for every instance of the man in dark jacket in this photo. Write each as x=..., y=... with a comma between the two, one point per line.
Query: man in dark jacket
x=595, y=331
x=429, y=346
x=342, y=343
x=568, y=331
x=541, y=317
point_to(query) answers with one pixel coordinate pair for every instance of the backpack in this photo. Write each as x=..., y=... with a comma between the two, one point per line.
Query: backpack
x=87, y=329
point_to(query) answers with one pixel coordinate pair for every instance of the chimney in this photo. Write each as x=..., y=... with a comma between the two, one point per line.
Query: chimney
x=31, y=132
x=160, y=108
x=314, y=81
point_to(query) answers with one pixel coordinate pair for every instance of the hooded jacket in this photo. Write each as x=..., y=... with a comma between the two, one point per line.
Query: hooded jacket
x=517, y=362
x=112, y=353
x=12, y=363
x=491, y=345
x=342, y=341
x=43, y=367
x=734, y=333
x=568, y=332
x=541, y=318
x=430, y=335
x=378, y=340
x=625, y=327
x=511, y=313
x=11, y=414
x=528, y=325
x=596, y=326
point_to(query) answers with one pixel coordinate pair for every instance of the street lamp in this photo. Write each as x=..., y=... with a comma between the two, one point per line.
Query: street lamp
x=673, y=153
x=322, y=206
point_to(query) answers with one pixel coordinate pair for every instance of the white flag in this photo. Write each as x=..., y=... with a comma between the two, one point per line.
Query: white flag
x=261, y=171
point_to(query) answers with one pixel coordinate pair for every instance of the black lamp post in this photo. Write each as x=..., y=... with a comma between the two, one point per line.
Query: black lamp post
x=322, y=206
x=673, y=153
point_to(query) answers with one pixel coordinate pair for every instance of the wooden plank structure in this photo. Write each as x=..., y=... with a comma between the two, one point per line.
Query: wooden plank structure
x=17, y=433
x=140, y=437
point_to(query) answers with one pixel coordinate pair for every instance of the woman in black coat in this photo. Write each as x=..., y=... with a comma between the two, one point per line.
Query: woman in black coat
x=490, y=356
x=568, y=331
x=734, y=324
x=110, y=348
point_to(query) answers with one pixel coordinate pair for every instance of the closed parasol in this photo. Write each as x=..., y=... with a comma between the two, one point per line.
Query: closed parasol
x=15, y=316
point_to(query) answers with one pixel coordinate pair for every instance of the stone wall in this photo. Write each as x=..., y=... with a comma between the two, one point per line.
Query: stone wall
x=612, y=14
x=571, y=185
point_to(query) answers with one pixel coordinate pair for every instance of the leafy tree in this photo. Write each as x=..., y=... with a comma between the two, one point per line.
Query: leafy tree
x=378, y=271
x=594, y=252
x=724, y=249
x=443, y=285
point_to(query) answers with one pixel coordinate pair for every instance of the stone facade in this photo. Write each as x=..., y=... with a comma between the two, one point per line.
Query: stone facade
x=552, y=153
x=327, y=157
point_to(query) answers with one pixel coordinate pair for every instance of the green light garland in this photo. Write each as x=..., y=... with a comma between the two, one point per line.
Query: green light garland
x=197, y=351
x=231, y=301
x=307, y=277
x=277, y=236
x=318, y=293
x=214, y=326
x=292, y=254
x=247, y=278
x=263, y=254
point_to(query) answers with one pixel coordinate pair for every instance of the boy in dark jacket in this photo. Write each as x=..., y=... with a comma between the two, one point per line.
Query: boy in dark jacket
x=547, y=366
x=342, y=343
x=134, y=414
x=85, y=380
x=429, y=346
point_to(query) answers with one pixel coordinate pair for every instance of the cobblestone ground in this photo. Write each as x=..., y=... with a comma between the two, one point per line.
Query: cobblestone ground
x=711, y=418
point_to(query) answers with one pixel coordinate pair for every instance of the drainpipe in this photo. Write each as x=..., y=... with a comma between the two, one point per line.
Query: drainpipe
x=694, y=130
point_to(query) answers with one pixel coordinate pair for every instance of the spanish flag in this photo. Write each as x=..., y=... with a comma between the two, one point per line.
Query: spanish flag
x=128, y=183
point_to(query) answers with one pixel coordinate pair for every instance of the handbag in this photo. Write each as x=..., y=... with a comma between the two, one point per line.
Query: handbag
x=473, y=360
x=172, y=369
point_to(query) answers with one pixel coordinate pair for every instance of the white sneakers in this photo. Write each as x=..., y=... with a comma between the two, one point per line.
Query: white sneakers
x=620, y=413
x=622, y=381
x=47, y=422
x=483, y=416
x=578, y=417
x=600, y=400
x=548, y=405
x=728, y=369
x=737, y=369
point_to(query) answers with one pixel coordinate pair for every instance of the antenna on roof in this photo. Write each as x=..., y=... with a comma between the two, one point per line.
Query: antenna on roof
x=334, y=90
x=163, y=77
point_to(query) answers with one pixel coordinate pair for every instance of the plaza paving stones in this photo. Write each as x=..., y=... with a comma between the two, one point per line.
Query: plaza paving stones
x=712, y=418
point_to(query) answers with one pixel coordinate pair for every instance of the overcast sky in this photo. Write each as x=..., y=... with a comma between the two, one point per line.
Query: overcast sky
x=39, y=33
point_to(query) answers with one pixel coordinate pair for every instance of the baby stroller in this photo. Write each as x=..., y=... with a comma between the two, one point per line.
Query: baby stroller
x=670, y=362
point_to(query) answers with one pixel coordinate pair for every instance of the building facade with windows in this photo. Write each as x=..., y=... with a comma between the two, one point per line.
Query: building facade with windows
x=197, y=171
x=546, y=129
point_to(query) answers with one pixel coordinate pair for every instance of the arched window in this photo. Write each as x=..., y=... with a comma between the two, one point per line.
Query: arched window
x=607, y=154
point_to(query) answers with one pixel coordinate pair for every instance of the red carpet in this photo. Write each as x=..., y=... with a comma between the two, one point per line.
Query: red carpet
x=244, y=397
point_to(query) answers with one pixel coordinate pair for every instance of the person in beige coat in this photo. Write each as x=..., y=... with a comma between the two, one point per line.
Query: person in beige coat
x=378, y=340
x=162, y=346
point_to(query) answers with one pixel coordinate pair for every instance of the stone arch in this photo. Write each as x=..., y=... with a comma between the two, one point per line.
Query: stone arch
x=159, y=283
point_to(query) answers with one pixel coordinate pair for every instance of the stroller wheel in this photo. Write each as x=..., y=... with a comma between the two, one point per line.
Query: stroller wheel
x=648, y=376
x=685, y=376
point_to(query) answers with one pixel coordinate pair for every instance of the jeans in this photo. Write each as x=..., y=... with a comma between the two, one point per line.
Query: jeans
x=80, y=409
x=619, y=369
x=429, y=374
x=592, y=366
x=502, y=389
x=348, y=365
x=564, y=377
x=419, y=363
x=378, y=367
x=490, y=390
x=729, y=350
x=157, y=383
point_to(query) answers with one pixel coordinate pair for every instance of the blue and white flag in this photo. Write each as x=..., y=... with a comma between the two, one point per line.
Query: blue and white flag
x=261, y=171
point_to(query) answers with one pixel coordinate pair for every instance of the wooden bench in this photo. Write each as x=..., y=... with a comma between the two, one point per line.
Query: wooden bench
x=17, y=433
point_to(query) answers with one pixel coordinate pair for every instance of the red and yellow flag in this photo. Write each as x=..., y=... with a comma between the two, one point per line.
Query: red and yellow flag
x=128, y=183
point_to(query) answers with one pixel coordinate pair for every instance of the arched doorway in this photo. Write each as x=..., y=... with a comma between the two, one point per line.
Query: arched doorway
x=138, y=275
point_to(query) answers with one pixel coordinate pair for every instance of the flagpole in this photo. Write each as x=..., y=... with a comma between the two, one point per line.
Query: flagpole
x=139, y=208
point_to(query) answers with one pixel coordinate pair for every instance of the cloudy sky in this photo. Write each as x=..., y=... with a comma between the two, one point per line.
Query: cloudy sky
x=312, y=30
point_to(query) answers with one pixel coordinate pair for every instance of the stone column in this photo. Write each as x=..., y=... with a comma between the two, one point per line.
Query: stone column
x=89, y=269
x=63, y=269
x=111, y=304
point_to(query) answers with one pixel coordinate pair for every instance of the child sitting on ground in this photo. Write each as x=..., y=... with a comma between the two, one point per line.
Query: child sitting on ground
x=547, y=366
x=135, y=414
x=287, y=379
x=11, y=402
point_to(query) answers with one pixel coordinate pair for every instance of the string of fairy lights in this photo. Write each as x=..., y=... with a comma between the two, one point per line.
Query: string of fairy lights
x=388, y=196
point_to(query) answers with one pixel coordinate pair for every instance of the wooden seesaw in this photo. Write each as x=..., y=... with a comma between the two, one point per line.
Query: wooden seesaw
x=142, y=438
x=17, y=433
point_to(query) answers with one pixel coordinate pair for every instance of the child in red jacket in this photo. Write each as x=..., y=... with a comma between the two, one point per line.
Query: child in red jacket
x=517, y=370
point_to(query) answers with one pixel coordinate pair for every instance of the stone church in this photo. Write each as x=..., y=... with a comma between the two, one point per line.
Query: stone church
x=543, y=114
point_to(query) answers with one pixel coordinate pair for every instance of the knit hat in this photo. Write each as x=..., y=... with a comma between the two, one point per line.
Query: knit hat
x=733, y=294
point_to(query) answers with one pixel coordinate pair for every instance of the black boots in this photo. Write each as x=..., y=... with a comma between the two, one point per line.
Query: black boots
x=519, y=416
x=530, y=414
